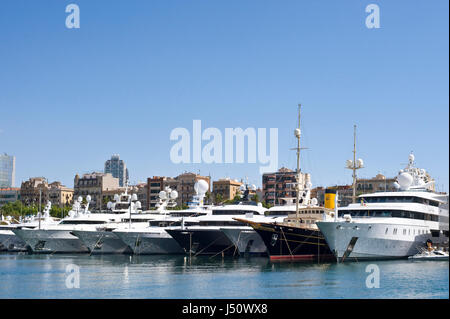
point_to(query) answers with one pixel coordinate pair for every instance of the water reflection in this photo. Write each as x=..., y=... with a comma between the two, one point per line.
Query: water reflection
x=128, y=276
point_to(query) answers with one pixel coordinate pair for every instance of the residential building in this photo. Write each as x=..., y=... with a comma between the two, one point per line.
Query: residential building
x=7, y=171
x=96, y=185
x=280, y=185
x=185, y=186
x=117, y=168
x=34, y=190
x=9, y=195
x=226, y=187
x=60, y=195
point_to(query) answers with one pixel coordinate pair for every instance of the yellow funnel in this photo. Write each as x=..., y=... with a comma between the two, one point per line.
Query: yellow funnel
x=330, y=197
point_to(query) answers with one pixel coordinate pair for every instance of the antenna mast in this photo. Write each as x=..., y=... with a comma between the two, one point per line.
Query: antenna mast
x=298, y=135
x=354, y=165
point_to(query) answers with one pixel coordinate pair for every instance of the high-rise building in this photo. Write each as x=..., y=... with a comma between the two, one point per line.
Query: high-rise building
x=7, y=170
x=117, y=168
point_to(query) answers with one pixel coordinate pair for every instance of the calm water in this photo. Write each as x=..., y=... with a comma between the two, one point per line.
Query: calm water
x=120, y=276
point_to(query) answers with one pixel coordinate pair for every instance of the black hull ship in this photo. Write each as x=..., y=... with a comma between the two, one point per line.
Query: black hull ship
x=203, y=241
x=289, y=242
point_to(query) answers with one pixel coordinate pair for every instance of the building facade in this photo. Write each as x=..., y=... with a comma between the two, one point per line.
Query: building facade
x=95, y=184
x=281, y=185
x=226, y=188
x=60, y=195
x=117, y=168
x=7, y=171
x=34, y=190
x=9, y=195
x=183, y=184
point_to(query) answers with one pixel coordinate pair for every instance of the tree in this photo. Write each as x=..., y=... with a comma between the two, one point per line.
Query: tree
x=218, y=198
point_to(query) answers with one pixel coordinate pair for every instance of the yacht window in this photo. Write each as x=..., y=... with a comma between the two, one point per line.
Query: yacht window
x=386, y=231
x=404, y=231
x=395, y=231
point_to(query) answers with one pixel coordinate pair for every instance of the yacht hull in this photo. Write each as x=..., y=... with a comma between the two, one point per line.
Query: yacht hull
x=102, y=242
x=246, y=241
x=10, y=242
x=369, y=241
x=143, y=243
x=203, y=241
x=293, y=243
x=51, y=241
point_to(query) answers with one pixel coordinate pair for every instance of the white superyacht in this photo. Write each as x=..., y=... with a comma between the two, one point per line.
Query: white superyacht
x=152, y=238
x=58, y=238
x=389, y=225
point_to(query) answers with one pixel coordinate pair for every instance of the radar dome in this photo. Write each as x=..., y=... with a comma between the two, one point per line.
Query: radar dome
x=411, y=157
x=88, y=198
x=162, y=195
x=173, y=194
x=360, y=162
x=134, y=197
x=404, y=180
x=242, y=188
x=349, y=163
x=201, y=186
x=253, y=187
x=297, y=132
x=80, y=199
x=314, y=201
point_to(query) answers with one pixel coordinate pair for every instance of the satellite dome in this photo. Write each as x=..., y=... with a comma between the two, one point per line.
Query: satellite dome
x=360, y=162
x=411, y=157
x=88, y=198
x=242, y=188
x=162, y=195
x=314, y=201
x=173, y=195
x=134, y=197
x=297, y=132
x=404, y=180
x=253, y=187
x=201, y=186
x=349, y=163
x=80, y=199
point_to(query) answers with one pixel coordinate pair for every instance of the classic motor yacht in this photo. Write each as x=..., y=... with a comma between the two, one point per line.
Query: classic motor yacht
x=295, y=236
x=9, y=241
x=58, y=238
x=388, y=225
x=152, y=237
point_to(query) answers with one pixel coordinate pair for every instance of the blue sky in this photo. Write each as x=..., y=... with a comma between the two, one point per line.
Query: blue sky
x=135, y=70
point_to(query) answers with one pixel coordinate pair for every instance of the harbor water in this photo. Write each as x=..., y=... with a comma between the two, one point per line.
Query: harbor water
x=123, y=276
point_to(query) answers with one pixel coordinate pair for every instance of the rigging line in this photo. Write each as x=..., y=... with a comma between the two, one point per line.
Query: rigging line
x=237, y=243
x=287, y=244
x=96, y=245
x=208, y=245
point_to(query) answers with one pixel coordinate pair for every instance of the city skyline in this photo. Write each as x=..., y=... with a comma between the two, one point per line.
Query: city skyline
x=70, y=104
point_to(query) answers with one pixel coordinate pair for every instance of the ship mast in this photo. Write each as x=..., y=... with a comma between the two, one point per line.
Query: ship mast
x=354, y=165
x=297, y=135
